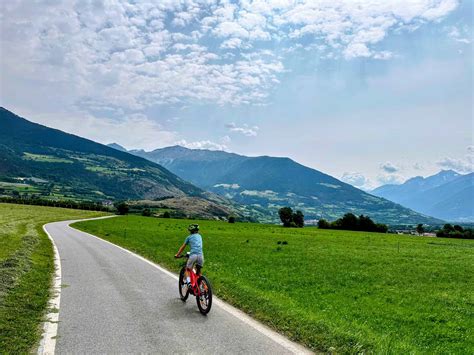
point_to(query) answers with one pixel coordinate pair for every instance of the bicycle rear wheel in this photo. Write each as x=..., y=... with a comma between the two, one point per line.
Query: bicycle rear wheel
x=204, y=300
x=183, y=288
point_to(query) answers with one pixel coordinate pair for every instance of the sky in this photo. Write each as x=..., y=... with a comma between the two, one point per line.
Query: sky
x=368, y=91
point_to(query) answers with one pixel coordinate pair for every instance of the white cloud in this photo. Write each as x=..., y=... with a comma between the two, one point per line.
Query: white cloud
x=389, y=167
x=133, y=55
x=203, y=144
x=461, y=165
x=355, y=179
x=228, y=186
x=132, y=131
x=459, y=34
x=245, y=129
x=395, y=179
x=231, y=43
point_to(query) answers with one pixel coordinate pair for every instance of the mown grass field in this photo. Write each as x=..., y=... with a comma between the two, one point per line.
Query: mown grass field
x=26, y=267
x=339, y=291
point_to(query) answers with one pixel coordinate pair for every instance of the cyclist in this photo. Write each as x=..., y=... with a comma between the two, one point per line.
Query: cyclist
x=194, y=240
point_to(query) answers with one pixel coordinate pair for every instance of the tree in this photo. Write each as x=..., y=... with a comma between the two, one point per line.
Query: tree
x=458, y=228
x=146, y=212
x=166, y=215
x=323, y=224
x=381, y=228
x=286, y=216
x=122, y=208
x=419, y=229
x=448, y=228
x=349, y=221
x=231, y=219
x=298, y=219
x=366, y=224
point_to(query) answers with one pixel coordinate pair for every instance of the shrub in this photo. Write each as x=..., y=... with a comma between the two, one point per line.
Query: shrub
x=146, y=212
x=323, y=224
x=122, y=208
x=166, y=215
x=231, y=219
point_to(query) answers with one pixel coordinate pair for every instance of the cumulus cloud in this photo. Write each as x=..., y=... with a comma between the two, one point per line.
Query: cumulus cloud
x=245, y=129
x=138, y=54
x=461, y=165
x=204, y=144
x=134, y=130
x=355, y=179
x=459, y=34
x=389, y=167
x=394, y=179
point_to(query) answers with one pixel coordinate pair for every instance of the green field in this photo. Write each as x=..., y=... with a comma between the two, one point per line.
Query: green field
x=341, y=291
x=26, y=266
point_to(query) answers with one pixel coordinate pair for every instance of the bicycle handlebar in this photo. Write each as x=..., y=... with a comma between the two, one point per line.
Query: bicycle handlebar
x=182, y=256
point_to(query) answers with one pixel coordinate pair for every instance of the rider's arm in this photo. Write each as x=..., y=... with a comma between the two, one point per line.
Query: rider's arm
x=180, y=250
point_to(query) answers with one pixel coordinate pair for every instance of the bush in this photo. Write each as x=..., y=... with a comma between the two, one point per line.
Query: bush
x=231, y=219
x=122, y=208
x=166, y=215
x=146, y=212
x=323, y=224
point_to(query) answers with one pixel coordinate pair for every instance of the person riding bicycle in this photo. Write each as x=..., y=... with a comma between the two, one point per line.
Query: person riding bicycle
x=194, y=240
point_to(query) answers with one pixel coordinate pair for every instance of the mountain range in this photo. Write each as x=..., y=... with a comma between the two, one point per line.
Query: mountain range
x=447, y=195
x=68, y=166
x=208, y=183
x=271, y=182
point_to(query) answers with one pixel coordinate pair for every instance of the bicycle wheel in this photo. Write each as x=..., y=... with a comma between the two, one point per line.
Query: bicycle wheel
x=204, y=301
x=183, y=288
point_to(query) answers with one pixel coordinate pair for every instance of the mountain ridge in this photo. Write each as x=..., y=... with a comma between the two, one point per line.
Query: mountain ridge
x=67, y=166
x=273, y=182
x=447, y=195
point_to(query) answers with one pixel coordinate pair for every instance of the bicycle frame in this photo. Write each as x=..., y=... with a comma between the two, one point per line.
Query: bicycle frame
x=194, y=279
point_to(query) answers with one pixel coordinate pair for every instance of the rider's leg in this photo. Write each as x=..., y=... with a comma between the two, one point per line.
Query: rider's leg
x=187, y=274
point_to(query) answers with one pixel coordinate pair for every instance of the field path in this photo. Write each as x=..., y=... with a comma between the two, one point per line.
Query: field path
x=115, y=302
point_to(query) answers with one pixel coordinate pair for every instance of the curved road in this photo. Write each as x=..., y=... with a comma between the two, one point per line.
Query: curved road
x=115, y=302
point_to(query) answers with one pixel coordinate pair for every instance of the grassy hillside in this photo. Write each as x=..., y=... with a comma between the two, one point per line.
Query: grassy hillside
x=271, y=183
x=342, y=291
x=59, y=163
x=26, y=266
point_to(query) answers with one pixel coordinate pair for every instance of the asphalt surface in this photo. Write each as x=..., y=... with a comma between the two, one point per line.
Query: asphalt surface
x=114, y=302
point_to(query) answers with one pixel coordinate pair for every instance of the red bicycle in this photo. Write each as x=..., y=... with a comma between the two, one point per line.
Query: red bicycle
x=200, y=287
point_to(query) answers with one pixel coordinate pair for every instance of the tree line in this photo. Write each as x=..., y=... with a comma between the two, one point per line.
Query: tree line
x=77, y=205
x=351, y=222
x=456, y=231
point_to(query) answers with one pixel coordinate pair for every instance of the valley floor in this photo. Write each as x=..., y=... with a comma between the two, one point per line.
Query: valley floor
x=329, y=290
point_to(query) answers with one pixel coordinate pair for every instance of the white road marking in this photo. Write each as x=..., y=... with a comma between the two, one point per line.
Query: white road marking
x=276, y=337
x=50, y=326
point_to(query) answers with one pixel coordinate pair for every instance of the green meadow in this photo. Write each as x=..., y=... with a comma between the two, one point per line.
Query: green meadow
x=333, y=291
x=26, y=267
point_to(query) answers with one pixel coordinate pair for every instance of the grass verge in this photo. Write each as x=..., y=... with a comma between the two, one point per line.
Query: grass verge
x=341, y=291
x=26, y=267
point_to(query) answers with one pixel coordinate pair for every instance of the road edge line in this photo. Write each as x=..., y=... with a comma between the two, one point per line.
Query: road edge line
x=261, y=328
x=50, y=326
x=47, y=345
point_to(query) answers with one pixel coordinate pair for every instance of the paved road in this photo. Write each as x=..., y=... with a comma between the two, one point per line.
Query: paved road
x=114, y=302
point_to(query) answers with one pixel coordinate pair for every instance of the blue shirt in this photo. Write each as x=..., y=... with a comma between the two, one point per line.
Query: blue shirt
x=195, y=242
